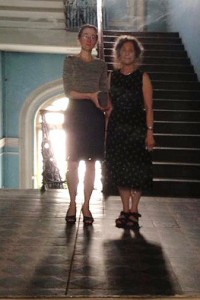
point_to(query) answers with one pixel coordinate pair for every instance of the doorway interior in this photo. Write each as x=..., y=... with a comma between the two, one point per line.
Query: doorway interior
x=54, y=118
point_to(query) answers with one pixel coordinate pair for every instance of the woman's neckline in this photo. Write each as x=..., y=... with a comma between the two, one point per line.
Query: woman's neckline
x=127, y=73
x=85, y=61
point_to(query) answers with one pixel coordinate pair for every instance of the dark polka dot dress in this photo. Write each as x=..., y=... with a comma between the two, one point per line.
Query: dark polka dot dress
x=128, y=162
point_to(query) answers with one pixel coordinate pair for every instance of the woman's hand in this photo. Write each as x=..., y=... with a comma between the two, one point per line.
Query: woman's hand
x=150, y=141
x=94, y=99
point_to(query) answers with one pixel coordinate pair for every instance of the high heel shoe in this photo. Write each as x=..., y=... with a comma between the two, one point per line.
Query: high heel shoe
x=87, y=220
x=120, y=222
x=70, y=219
x=133, y=220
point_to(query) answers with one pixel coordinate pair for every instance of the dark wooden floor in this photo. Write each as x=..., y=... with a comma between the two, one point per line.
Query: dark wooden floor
x=40, y=256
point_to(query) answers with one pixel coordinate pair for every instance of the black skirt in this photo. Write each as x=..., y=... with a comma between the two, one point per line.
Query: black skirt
x=85, y=130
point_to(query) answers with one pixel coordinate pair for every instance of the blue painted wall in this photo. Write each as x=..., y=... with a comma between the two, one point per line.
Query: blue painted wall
x=156, y=15
x=23, y=73
x=184, y=18
x=10, y=168
x=155, y=19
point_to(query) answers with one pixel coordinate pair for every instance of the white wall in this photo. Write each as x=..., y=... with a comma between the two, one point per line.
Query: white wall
x=184, y=17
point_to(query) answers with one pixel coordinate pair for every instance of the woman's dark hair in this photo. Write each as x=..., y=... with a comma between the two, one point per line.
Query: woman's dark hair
x=87, y=26
x=121, y=40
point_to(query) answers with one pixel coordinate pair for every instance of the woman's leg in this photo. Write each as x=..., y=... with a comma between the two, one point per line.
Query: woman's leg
x=88, y=189
x=134, y=215
x=135, y=198
x=72, y=182
x=125, y=195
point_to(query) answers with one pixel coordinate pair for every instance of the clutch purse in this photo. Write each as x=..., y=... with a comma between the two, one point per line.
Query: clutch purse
x=103, y=99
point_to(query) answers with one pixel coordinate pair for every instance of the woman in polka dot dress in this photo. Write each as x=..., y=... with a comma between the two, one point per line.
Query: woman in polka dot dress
x=130, y=129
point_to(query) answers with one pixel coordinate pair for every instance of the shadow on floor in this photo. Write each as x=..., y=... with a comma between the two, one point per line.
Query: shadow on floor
x=137, y=267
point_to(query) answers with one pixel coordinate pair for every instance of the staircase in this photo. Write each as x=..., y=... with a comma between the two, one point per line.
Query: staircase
x=176, y=158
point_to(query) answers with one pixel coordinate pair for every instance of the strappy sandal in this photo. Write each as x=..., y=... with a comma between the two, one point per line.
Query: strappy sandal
x=122, y=219
x=132, y=220
x=88, y=220
x=70, y=219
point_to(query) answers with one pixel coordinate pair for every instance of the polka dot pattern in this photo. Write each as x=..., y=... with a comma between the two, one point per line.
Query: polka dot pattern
x=127, y=160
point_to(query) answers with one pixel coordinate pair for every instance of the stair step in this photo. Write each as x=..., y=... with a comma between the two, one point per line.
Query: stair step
x=162, y=68
x=178, y=155
x=176, y=170
x=169, y=127
x=176, y=188
x=174, y=47
x=171, y=115
x=186, y=141
x=166, y=94
x=158, y=60
x=155, y=53
x=165, y=53
x=176, y=104
x=171, y=85
x=168, y=68
x=175, y=77
x=151, y=46
x=148, y=40
x=138, y=34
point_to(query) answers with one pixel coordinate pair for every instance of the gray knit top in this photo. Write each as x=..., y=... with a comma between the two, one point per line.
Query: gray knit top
x=84, y=77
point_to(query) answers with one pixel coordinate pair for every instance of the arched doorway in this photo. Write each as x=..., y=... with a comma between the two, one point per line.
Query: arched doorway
x=47, y=92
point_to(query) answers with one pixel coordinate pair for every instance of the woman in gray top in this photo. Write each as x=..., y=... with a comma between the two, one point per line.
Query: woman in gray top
x=83, y=77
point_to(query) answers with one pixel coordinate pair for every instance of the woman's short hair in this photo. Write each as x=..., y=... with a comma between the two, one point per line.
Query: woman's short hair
x=87, y=26
x=121, y=40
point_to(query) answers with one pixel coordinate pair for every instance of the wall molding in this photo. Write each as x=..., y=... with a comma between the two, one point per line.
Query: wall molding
x=2, y=143
x=9, y=142
x=32, y=14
